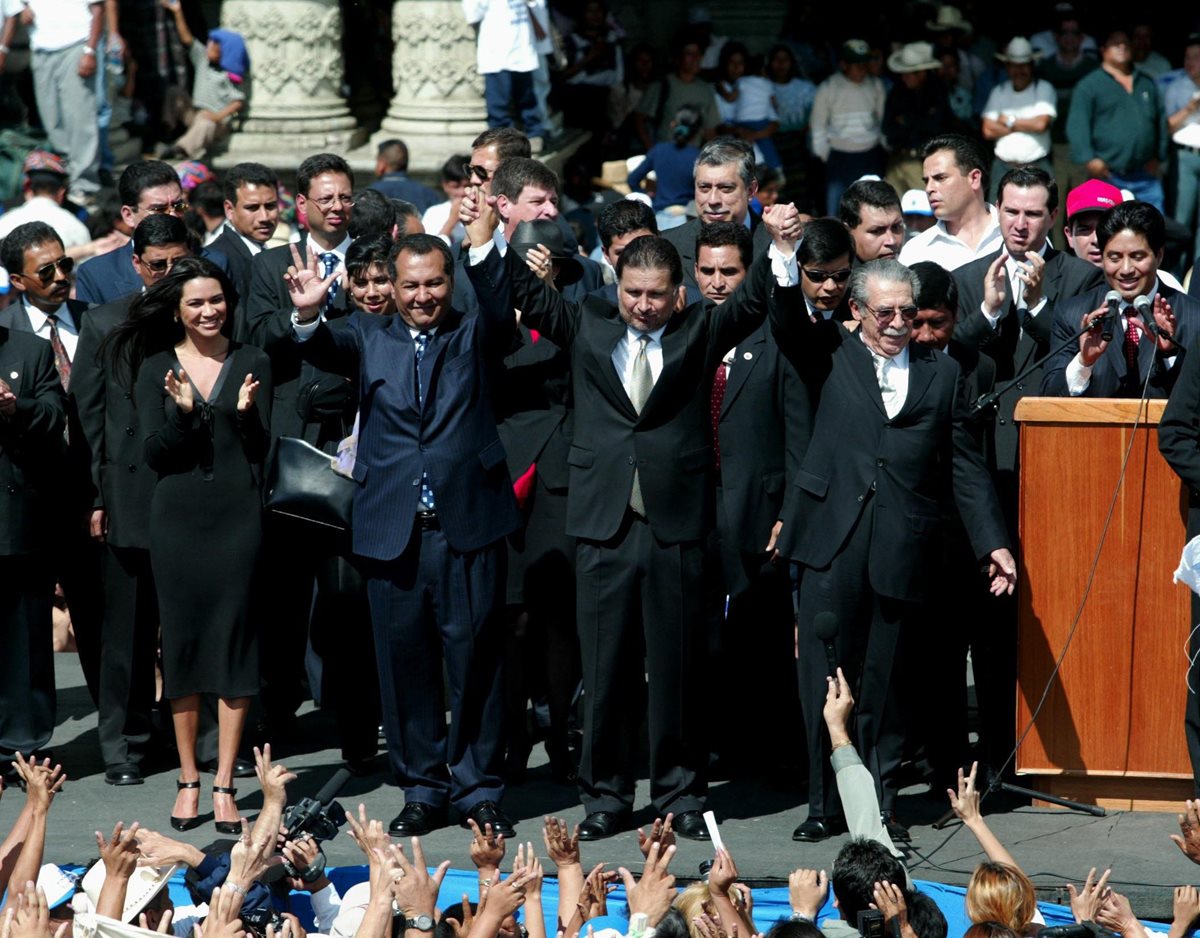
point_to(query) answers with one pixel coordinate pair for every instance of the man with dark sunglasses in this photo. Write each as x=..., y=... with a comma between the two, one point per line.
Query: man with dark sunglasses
x=147, y=187
x=824, y=257
x=40, y=272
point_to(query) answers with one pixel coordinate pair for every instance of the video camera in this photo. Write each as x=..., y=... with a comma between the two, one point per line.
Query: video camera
x=320, y=818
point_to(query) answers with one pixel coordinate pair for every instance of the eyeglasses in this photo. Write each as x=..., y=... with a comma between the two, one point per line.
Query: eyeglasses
x=45, y=273
x=325, y=203
x=179, y=207
x=163, y=265
x=883, y=315
x=820, y=276
x=473, y=172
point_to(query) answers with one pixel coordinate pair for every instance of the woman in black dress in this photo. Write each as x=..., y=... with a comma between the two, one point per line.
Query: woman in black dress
x=202, y=405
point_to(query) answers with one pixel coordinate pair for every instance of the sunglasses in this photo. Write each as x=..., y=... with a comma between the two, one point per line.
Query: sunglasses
x=168, y=208
x=164, y=265
x=45, y=273
x=476, y=172
x=820, y=276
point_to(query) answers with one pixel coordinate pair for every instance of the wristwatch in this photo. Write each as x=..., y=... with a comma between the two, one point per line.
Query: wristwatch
x=1011, y=121
x=420, y=923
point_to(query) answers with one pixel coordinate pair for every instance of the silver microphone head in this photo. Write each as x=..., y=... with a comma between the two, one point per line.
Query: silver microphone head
x=1112, y=297
x=1142, y=304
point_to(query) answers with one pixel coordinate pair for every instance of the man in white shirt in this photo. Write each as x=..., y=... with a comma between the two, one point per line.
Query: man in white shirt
x=507, y=58
x=1018, y=114
x=45, y=187
x=955, y=174
x=63, y=38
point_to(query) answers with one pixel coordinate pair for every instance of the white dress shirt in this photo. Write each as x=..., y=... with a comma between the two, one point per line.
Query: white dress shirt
x=68, y=332
x=892, y=375
x=938, y=245
x=625, y=353
x=69, y=229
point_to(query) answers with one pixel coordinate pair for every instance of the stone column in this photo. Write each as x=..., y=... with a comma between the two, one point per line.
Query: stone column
x=295, y=105
x=438, y=108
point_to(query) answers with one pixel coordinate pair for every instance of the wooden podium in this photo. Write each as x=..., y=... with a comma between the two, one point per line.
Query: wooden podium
x=1111, y=730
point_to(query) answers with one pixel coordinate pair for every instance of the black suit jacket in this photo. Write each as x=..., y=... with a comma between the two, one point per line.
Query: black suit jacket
x=670, y=441
x=267, y=312
x=239, y=258
x=451, y=438
x=764, y=428
x=857, y=453
x=1110, y=377
x=1179, y=436
x=74, y=471
x=684, y=239
x=31, y=444
x=110, y=276
x=1017, y=341
x=122, y=481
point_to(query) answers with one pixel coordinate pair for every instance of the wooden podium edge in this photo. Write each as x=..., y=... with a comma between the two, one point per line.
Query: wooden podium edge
x=1088, y=410
x=1114, y=793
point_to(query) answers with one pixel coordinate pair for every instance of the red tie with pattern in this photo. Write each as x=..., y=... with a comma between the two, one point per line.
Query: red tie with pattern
x=720, y=380
x=1131, y=344
x=62, y=361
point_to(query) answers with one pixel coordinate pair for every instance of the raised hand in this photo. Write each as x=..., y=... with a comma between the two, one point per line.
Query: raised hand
x=307, y=288
x=889, y=899
x=723, y=875
x=562, y=846
x=784, y=226
x=180, y=390
x=1188, y=838
x=159, y=850
x=1164, y=318
x=120, y=852
x=661, y=833
x=41, y=781
x=995, y=285
x=246, y=393
x=369, y=834
x=415, y=892
x=839, y=704
x=965, y=802
x=272, y=777
x=1086, y=902
x=164, y=922
x=1186, y=910
x=487, y=847
x=807, y=891
x=1116, y=914
x=654, y=892
x=478, y=214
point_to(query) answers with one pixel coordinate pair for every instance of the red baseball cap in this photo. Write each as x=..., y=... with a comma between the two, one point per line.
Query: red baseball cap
x=1095, y=195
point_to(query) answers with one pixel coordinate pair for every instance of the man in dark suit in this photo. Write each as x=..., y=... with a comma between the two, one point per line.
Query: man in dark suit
x=32, y=420
x=120, y=519
x=1179, y=442
x=391, y=171
x=761, y=420
x=147, y=187
x=324, y=189
x=863, y=515
x=725, y=185
x=251, y=215
x=639, y=502
x=431, y=515
x=35, y=254
x=1142, y=352
x=1007, y=303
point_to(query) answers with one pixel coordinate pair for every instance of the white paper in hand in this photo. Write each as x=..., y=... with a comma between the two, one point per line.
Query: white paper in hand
x=714, y=832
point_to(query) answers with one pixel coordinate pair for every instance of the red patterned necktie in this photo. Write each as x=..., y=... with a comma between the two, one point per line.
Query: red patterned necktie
x=62, y=361
x=1131, y=344
x=720, y=380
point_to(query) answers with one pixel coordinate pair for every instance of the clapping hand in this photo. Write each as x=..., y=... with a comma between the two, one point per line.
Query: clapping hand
x=180, y=390
x=995, y=285
x=1164, y=318
x=246, y=394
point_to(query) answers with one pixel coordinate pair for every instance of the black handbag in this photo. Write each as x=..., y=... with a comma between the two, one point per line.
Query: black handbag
x=301, y=483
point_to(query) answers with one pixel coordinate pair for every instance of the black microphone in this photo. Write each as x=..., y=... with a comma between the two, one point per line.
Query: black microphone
x=1113, y=299
x=825, y=625
x=1145, y=309
x=330, y=789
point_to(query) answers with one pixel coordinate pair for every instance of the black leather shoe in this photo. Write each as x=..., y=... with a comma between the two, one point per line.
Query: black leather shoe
x=897, y=831
x=241, y=768
x=488, y=812
x=123, y=773
x=816, y=829
x=601, y=824
x=690, y=824
x=417, y=819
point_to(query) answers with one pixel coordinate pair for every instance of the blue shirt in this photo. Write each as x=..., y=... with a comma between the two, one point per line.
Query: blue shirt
x=673, y=166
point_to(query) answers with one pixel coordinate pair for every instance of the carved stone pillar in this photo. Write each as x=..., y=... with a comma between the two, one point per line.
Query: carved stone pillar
x=295, y=106
x=438, y=108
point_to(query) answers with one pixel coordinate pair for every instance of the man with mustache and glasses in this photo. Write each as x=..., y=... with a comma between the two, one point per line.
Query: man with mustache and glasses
x=863, y=516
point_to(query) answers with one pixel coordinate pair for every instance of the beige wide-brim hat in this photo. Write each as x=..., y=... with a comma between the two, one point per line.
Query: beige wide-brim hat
x=1019, y=51
x=144, y=885
x=913, y=57
x=90, y=925
x=949, y=18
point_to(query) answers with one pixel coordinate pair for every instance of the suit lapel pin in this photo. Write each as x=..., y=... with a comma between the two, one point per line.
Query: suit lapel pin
x=747, y=355
x=13, y=375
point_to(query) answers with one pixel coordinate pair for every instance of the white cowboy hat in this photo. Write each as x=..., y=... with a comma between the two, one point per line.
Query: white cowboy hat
x=948, y=18
x=145, y=883
x=913, y=57
x=1019, y=51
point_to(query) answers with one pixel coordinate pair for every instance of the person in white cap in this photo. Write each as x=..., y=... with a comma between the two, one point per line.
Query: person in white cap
x=1018, y=114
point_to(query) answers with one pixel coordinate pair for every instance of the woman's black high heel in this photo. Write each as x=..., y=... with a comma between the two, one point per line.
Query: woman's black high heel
x=226, y=827
x=185, y=823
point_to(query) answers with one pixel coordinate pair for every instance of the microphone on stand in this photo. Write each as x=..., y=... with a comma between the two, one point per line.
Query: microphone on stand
x=1146, y=310
x=825, y=625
